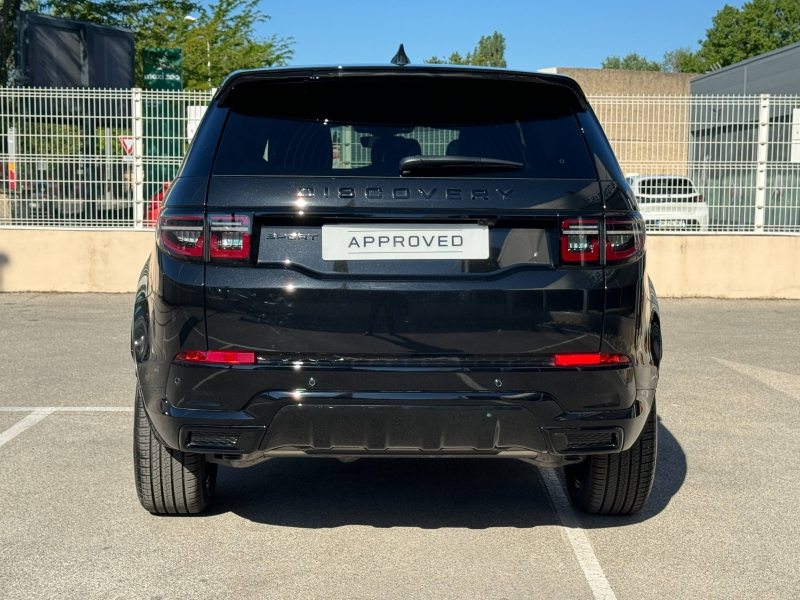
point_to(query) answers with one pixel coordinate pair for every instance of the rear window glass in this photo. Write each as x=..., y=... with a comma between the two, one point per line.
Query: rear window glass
x=666, y=186
x=365, y=126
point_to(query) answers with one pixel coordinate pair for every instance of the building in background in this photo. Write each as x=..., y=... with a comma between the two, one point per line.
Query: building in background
x=748, y=150
x=775, y=72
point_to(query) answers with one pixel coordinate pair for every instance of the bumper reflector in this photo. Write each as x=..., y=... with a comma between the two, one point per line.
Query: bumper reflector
x=588, y=359
x=219, y=357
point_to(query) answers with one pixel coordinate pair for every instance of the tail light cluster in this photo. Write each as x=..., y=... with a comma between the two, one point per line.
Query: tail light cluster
x=580, y=239
x=230, y=236
x=184, y=236
x=624, y=238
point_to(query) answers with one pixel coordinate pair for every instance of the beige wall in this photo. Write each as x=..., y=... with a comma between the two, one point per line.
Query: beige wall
x=721, y=266
x=45, y=260
x=616, y=82
x=725, y=266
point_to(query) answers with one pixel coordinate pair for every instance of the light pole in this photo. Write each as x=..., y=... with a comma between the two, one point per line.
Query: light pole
x=192, y=19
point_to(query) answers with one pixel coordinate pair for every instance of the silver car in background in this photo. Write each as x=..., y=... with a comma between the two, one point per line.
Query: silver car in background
x=669, y=202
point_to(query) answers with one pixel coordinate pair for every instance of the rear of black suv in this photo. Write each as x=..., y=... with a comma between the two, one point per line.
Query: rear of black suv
x=397, y=262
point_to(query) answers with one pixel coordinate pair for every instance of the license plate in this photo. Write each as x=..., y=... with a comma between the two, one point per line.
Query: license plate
x=404, y=242
x=670, y=223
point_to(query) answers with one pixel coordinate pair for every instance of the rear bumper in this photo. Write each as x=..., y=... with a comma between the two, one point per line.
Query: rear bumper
x=345, y=424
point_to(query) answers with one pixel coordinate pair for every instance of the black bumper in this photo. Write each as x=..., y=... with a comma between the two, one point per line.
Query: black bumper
x=521, y=424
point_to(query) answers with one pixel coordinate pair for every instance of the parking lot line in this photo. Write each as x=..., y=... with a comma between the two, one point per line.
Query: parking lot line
x=27, y=422
x=581, y=547
x=67, y=408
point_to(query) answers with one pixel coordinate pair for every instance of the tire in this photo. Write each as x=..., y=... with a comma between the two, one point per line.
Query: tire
x=616, y=484
x=168, y=481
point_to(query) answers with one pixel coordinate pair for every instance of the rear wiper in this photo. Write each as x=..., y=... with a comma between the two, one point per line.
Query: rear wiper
x=452, y=165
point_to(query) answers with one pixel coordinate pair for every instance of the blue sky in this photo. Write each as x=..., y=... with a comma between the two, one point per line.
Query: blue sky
x=538, y=33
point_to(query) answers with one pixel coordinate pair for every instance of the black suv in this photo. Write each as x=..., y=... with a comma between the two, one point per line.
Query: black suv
x=397, y=261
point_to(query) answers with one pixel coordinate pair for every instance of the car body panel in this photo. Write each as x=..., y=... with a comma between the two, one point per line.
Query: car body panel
x=394, y=349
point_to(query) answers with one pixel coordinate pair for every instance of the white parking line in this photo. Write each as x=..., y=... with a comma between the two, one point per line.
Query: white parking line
x=67, y=408
x=32, y=419
x=577, y=538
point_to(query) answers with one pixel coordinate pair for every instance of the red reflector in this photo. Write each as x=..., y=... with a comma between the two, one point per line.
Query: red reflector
x=220, y=357
x=587, y=359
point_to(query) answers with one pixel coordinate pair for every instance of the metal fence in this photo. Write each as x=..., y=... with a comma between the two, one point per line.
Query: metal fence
x=101, y=158
x=709, y=163
x=91, y=158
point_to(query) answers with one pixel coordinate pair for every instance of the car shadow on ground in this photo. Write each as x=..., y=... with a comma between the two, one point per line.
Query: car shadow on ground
x=424, y=493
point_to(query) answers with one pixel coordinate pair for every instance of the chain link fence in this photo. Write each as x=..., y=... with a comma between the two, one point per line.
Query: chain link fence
x=103, y=158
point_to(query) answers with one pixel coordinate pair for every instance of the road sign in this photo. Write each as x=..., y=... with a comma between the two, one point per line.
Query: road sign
x=163, y=68
x=127, y=143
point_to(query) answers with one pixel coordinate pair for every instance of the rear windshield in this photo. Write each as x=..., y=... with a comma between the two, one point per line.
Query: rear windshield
x=666, y=186
x=365, y=126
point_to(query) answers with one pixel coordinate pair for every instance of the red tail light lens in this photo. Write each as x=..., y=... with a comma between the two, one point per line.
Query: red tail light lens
x=219, y=357
x=181, y=235
x=230, y=236
x=624, y=238
x=588, y=359
x=580, y=241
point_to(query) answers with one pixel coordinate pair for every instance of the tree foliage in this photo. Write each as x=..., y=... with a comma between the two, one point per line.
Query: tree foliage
x=758, y=27
x=490, y=52
x=223, y=32
x=735, y=34
x=631, y=62
x=682, y=60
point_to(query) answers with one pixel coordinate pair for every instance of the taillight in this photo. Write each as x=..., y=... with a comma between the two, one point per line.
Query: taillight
x=580, y=241
x=624, y=238
x=217, y=357
x=230, y=236
x=698, y=198
x=181, y=235
x=588, y=359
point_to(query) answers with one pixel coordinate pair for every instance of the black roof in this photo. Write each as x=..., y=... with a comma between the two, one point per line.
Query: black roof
x=253, y=75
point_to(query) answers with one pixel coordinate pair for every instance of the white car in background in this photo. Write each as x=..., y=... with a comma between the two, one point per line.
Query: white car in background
x=669, y=202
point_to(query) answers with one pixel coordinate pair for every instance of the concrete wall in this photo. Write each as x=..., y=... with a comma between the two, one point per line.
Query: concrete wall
x=719, y=266
x=618, y=82
x=46, y=260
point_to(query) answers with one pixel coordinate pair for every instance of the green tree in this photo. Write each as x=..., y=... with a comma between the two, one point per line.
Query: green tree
x=630, y=62
x=222, y=35
x=683, y=60
x=758, y=27
x=490, y=52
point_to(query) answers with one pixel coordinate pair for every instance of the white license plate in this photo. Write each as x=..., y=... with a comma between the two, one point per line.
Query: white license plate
x=403, y=242
x=670, y=223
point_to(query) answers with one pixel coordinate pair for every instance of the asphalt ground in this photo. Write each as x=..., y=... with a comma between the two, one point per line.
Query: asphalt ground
x=722, y=522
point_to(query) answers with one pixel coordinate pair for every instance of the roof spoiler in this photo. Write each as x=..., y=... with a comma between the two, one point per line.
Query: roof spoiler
x=237, y=78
